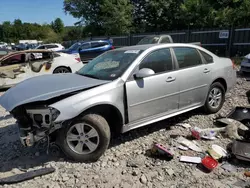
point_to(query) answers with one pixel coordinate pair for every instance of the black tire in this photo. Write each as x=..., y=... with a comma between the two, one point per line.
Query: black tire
x=61, y=70
x=207, y=107
x=103, y=130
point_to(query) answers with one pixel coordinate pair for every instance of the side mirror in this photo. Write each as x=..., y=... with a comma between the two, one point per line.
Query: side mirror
x=145, y=72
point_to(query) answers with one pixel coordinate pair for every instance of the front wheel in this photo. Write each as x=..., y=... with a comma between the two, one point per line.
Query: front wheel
x=85, y=139
x=215, y=98
x=61, y=70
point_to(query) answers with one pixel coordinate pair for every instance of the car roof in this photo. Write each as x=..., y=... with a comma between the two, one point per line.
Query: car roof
x=50, y=44
x=101, y=40
x=147, y=46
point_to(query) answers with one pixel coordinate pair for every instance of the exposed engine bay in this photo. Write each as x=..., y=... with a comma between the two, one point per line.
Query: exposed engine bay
x=35, y=122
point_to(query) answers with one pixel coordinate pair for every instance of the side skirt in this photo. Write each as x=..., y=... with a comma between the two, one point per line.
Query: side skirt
x=155, y=118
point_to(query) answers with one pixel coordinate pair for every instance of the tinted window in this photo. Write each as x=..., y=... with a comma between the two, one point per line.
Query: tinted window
x=56, y=55
x=98, y=44
x=158, y=61
x=208, y=58
x=85, y=46
x=165, y=40
x=51, y=46
x=41, y=47
x=46, y=55
x=187, y=57
x=149, y=40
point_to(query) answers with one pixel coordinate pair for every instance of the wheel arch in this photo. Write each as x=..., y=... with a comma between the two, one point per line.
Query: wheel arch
x=110, y=112
x=222, y=81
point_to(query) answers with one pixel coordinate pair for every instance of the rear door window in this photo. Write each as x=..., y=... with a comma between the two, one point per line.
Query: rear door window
x=187, y=57
x=51, y=46
x=98, y=44
x=208, y=58
x=85, y=46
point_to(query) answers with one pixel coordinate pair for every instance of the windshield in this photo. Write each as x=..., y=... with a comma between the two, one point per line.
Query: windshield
x=75, y=46
x=109, y=65
x=149, y=40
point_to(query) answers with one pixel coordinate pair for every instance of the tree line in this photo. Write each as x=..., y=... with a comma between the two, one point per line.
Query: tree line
x=12, y=32
x=116, y=17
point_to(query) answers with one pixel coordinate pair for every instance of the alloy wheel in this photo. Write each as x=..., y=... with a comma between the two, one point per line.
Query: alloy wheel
x=82, y=138
x=215, y=97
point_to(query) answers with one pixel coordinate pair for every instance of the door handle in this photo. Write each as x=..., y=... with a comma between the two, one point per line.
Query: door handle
x=170, y=79
x=206, y=70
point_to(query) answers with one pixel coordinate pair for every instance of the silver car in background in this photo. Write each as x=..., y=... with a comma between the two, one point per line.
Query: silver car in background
x=120, y=90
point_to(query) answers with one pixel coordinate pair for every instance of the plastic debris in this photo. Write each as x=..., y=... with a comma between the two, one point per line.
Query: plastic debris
x=241, y=150
x=217, y=152
x=208, y=134
x=189, y=159
x=183, y=148
x=209, y=163
x=159, y=149
x=228, y=167
x=190, y=144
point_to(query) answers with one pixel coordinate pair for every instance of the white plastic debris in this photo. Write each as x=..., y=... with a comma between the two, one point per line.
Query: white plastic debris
x=183, y=148
x=191, y=145
x=189, y=159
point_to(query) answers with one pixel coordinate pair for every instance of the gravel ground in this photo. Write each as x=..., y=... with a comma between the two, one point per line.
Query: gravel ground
x=125, y=164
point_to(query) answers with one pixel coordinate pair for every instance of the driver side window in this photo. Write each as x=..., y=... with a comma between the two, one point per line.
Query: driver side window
x=159, y=61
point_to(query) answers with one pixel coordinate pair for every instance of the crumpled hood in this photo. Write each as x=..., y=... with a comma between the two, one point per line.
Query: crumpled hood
x=41, y=88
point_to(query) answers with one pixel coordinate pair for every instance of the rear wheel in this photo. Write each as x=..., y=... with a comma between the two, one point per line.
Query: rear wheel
x=215, y=98
x=85, y=139
x=61, y=70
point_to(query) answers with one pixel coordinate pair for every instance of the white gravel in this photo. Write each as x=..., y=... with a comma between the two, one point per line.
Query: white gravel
x=125, y=164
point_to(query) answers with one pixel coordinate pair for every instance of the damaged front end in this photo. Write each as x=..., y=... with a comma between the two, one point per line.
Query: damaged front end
x=35, y=122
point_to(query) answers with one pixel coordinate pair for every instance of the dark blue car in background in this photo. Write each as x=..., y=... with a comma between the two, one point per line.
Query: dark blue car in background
x=89, y=49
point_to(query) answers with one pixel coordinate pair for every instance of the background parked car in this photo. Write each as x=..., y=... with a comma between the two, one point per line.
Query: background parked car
x=3, y=44
x=245, y=64
x=160, y=39
x=89, y=49
x=54, y=47
x=20, y=65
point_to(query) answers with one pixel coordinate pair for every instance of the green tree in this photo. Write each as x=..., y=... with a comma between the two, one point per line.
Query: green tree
x=58, y=25
x=102, y=16
x=116, y=17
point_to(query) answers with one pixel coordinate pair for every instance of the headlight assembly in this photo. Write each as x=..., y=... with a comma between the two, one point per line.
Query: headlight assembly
x=54, y=113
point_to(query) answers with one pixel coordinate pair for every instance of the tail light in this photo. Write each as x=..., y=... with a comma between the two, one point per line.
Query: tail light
x=78, y=59
x=112, y=47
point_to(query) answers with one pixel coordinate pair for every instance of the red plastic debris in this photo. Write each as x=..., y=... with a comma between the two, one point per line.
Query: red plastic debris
x=209, y=163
